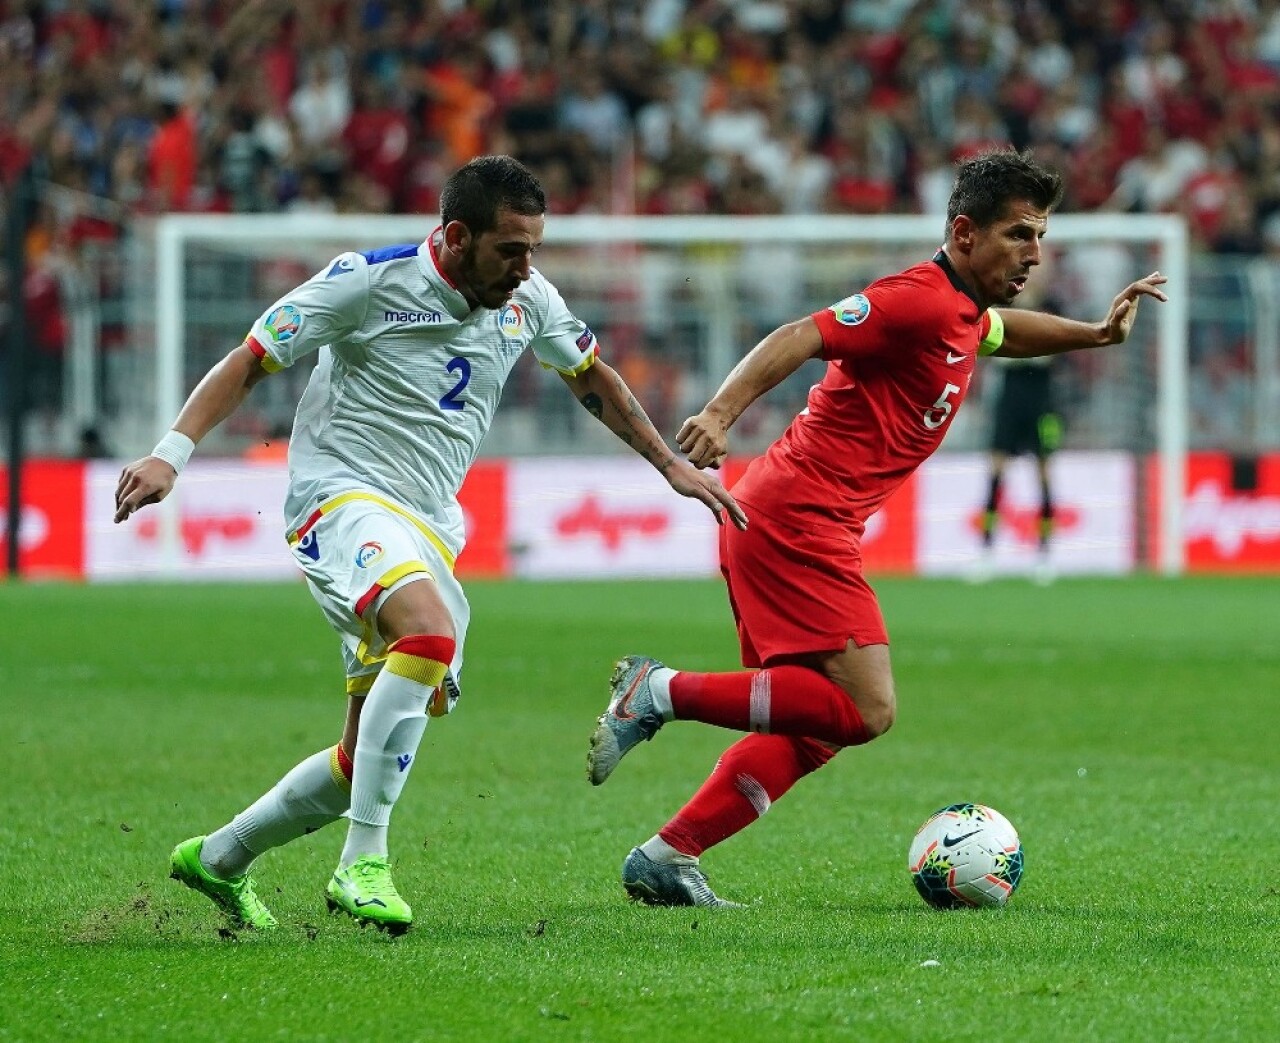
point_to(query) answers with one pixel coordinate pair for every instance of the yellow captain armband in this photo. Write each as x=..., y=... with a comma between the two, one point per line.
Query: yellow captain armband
x=991, y=343
x=585, y=364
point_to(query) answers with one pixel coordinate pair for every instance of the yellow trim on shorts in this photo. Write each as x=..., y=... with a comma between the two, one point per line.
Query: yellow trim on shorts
x=387, y=580
x=393, y=576
x=362, y=650
x=360, y=684
x=333, y=503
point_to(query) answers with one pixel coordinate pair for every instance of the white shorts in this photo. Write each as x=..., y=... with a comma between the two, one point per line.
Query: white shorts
x=355, y=550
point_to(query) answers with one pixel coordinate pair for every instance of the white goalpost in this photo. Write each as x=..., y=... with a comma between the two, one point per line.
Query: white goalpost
x=653, y=267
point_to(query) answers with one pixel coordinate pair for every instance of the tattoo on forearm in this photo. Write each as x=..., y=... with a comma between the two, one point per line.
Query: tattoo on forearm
x=627, y=419
x=640, y=426
x=638, y=413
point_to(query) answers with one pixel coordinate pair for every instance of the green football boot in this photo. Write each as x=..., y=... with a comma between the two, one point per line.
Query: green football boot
x=235, y=897
x=365, y=891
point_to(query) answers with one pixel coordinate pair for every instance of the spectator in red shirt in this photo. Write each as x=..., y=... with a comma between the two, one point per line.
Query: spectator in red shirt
x=1093, y=168
x=171, y=163
x=376, y=138
x=90, y=35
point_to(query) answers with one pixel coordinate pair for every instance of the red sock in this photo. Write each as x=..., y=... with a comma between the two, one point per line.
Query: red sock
x=748, y=778
x=781, y=700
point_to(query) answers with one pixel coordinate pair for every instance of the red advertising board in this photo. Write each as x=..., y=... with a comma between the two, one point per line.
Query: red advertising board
x=52, y=525
x=483, y=498
x=1231, y=515
x=889, y=543
x=613, y=517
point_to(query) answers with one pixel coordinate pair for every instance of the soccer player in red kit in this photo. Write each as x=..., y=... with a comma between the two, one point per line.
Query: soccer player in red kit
x=899, y=358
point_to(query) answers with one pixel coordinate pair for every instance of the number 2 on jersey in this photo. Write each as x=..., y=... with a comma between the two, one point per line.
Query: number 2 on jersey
x=936, y=415
x=463, y=368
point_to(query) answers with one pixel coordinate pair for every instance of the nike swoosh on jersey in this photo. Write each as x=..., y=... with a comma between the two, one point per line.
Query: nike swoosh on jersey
x=953, y=359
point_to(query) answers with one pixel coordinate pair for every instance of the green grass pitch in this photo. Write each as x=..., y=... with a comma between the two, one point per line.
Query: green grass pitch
x=1128, y=728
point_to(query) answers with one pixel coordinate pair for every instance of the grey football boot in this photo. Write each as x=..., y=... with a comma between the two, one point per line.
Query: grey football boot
x=629, y=719
x=658, y=883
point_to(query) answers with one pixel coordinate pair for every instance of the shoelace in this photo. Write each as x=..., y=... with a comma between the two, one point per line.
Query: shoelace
x=247, y=896
x=696, y=881
x=376, y=876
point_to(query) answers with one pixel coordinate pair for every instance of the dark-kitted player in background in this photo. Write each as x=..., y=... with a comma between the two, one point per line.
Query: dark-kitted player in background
x=1024, y=421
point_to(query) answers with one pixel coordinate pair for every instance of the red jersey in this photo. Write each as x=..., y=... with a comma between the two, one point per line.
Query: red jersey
x=900, y=355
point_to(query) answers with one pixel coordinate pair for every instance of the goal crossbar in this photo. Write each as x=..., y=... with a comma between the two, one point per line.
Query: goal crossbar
x=1167, y=234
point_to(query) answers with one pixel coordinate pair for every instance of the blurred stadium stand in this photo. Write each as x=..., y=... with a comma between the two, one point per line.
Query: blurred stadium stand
x=125, y=110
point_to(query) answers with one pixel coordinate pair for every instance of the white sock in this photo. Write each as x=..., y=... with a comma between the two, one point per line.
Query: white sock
x=658, y=850
x=391, y=726
x=308, y=797
x=660, y=689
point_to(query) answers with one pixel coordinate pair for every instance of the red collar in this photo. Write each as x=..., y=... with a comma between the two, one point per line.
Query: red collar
x=431, y=246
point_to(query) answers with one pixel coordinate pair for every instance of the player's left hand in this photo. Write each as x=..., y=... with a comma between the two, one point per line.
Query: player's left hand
x=687, y=480
x=1124, y=309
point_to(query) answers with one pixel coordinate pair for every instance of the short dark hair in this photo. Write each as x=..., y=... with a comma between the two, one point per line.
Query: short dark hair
x=988, y=182
x=476, y=191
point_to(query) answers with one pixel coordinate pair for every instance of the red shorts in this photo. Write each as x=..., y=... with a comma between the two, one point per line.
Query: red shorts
x=795, y=591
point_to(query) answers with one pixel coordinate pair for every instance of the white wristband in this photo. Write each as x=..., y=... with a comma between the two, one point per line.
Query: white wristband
x=175, y=449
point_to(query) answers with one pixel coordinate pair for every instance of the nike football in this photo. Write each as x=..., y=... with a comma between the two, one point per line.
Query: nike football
x=966, y=855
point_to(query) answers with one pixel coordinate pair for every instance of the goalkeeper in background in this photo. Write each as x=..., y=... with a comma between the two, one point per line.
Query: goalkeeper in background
x=415, y=343
x=1024, y=421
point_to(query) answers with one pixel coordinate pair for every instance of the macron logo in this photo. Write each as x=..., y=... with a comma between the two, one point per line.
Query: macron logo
x=411, y=317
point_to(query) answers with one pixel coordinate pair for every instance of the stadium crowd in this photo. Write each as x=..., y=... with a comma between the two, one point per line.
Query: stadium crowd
x=135, y=107
x=648, y=106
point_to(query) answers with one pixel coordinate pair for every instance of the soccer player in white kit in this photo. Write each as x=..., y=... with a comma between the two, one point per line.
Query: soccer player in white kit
x=415, y=343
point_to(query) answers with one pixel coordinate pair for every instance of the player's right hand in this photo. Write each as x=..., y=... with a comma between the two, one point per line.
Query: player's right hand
x=704, y=439
x=144, y=481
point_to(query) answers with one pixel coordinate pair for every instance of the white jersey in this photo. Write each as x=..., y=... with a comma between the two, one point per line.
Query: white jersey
x=408, y=377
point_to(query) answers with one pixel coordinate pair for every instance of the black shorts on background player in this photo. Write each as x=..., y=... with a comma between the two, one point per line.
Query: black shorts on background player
x=1024, y=418
x=1023, y=423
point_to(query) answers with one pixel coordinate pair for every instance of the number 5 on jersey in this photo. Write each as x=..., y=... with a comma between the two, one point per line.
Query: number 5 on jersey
x=936, y=415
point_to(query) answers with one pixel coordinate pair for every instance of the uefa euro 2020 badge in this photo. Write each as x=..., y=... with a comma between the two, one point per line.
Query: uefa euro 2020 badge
x=283, y=323
x=852, y=310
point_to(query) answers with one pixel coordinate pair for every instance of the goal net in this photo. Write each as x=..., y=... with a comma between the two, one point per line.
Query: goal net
x=677, y=301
